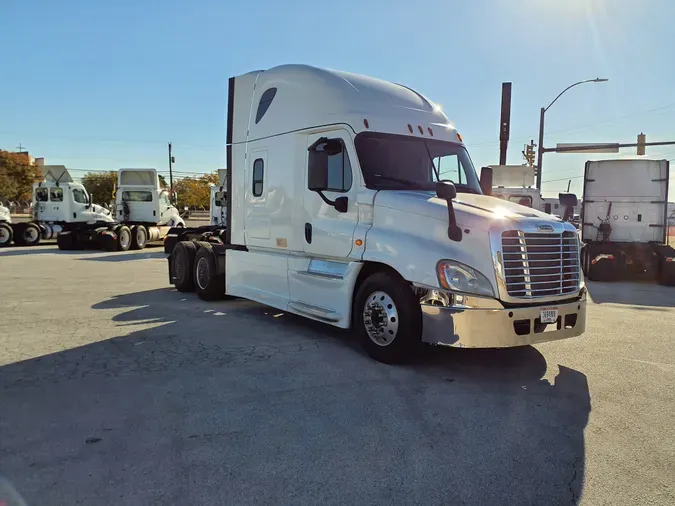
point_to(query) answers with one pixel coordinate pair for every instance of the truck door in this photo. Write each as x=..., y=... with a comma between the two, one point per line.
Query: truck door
x=328, y=232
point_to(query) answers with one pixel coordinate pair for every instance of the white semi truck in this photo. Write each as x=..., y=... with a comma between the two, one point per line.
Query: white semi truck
x=60, y=205
x=353, y=201
x=515, y=183
x=6, y=229
x=143, y=211
x=218, y=200
x=625, y=221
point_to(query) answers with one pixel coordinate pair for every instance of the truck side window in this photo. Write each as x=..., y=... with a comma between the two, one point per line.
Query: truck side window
x=339, y=170
x=79, y=196
x=265, y=102
x=258, y=173
x=56, y=195
x=42, y=194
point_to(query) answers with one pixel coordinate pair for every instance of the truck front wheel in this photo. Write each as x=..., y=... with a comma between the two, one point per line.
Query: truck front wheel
x=182, y=262
x=209, y=285
x=6, y=234
x=387, y=318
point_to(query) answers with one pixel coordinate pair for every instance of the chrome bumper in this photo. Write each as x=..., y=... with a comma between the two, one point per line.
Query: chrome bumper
x=500, y=328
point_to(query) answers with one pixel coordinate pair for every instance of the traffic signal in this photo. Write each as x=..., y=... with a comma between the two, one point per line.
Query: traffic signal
x=529, y=154
x=641, y=140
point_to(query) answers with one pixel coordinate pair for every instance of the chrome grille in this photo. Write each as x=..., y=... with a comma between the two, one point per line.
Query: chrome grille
x=540, y=265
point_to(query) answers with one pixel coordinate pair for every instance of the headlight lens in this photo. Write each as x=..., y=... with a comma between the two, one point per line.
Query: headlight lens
x=462, y=278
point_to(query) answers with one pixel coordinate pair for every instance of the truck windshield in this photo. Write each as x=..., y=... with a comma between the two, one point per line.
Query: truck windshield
x=391, y=161
x=136, y=196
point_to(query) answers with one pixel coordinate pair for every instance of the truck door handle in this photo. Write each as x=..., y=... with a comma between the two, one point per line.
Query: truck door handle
x=308, y=233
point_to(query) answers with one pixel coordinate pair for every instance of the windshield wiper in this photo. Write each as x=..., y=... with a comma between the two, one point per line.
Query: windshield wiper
x=408, y=182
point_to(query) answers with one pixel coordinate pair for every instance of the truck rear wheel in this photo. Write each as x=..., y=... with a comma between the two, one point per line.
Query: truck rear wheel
x=182, y=263
x=209, y=285
x=123, y=238
x=139, y=237
x=387, y=318
x=31, y=234
x=6, y=234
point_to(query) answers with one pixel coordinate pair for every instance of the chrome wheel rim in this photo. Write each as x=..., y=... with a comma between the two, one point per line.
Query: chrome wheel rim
x=380, y=318
x=4, y=235
x=202, y=273
x=141, y=236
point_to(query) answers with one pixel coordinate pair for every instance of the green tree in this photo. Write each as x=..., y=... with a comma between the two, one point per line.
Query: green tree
x=17, y=176
x=195, y=191
x=162, y=181
x=100, y=185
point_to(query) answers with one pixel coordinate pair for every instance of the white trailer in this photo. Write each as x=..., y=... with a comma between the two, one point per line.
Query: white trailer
x=60, y=206
x=143, y=213
x=353, y=201
x=625, y=221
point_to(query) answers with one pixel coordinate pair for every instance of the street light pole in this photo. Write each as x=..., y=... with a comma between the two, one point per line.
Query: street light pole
x=540, y=150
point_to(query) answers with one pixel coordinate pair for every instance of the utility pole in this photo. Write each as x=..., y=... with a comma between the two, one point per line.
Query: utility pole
x=20, y=148
x=171, y=160
x=505, y=122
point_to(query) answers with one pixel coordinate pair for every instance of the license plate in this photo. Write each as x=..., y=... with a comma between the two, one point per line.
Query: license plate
x=548, y=315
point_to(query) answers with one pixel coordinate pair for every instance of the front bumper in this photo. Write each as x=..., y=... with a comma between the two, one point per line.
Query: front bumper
x=500, y=328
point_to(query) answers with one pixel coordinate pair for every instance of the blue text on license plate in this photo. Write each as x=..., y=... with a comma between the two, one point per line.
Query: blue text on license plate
x=548, y=315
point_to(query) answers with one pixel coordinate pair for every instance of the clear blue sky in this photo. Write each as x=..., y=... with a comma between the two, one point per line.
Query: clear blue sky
x=105, y=84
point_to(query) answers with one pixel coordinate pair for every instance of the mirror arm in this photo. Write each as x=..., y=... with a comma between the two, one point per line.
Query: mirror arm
x=325, y=199
x=454, y=232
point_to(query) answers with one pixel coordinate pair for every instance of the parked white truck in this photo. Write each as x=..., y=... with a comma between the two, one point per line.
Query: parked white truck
x=60, y=205
x=6, y=229
x=625, y=221
x=353, y=201
x=515, y=183
x=143, y=210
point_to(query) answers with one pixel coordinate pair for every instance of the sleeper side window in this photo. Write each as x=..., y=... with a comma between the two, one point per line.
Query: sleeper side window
x=258, y=175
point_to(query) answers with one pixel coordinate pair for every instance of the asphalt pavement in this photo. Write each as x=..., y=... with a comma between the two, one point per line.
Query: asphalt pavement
x=116, y=389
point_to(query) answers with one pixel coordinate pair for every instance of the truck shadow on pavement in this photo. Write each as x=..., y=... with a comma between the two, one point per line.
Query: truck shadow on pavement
x=233, y=402
x=632, y=293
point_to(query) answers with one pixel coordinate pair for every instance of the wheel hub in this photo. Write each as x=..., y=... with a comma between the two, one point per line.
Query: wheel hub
x=380, y=318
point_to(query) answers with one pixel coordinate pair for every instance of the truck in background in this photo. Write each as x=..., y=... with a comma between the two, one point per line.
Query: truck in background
x=143, y=213
x=625, y=222
x=60, y=206
x=353, y=201
x=515, y=183
x=218, y=200
x=6, y=229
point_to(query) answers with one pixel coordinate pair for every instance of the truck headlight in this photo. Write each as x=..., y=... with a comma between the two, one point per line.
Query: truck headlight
x=462, y=278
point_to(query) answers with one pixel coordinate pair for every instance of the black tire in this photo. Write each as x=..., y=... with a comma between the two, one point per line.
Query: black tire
x=139, y=237
x=106, y=241
x=666, y=275
x=123, y=238
x=18, y=233
x=31, y=234
x=65, y=241
x=405, y=326
x=182, y=265
x=208, y=284
x=602, y=271
x=6, y=234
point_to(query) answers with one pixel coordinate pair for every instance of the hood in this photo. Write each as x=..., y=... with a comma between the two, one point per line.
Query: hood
x=475, y=211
